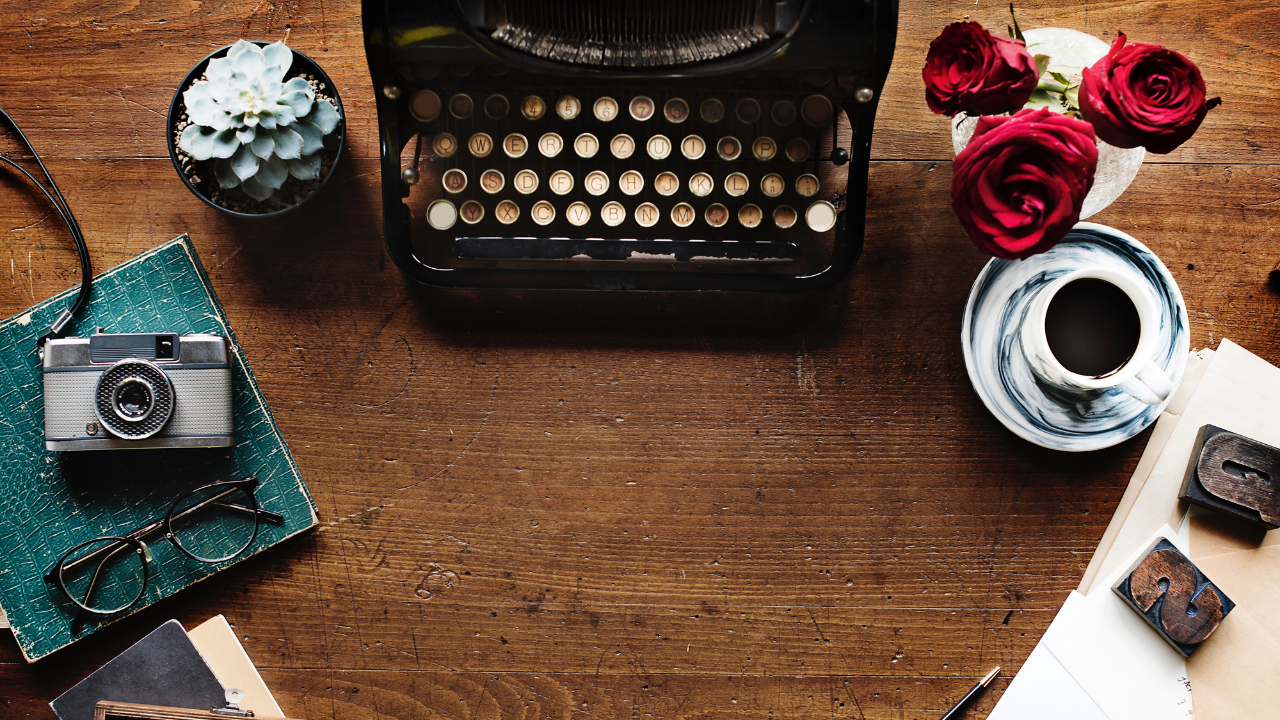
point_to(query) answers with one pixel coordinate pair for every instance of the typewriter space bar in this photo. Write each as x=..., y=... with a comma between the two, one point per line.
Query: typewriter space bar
x=528, y=248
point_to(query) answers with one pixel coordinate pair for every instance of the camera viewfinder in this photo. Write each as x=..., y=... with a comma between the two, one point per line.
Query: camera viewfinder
x=164, y=347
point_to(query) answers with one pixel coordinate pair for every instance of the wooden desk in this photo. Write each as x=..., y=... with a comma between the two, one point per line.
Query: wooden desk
x=574, y=505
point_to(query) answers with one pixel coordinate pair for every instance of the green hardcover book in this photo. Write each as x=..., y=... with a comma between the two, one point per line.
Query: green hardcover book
x=51, y=502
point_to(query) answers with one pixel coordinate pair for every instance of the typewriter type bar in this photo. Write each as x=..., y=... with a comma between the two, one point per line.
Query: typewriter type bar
x=627, y=145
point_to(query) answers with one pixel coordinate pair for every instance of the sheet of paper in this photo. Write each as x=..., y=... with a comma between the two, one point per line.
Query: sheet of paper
x=222, y=651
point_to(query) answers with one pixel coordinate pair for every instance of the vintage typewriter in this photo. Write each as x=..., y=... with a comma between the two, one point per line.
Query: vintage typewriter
x=627, y=144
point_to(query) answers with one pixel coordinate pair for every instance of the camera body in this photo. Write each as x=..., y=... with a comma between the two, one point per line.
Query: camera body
x=131, y=391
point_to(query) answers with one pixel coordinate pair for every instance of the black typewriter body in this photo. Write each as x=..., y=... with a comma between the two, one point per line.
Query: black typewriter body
x=632, y=144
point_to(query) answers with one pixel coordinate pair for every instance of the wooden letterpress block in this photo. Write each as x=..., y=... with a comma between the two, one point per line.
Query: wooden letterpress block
x=1235, y=476
x=1174, y=597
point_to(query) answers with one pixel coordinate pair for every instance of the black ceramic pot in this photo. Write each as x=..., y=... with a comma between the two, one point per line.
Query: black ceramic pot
x=301, y=65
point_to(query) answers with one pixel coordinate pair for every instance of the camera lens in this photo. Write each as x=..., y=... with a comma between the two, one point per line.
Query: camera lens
x=134, y=400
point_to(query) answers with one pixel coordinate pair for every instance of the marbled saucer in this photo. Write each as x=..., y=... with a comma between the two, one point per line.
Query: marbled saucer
x=1032, y=409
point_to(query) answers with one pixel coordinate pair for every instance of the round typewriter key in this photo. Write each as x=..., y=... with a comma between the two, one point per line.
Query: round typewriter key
x=659, y=147
x=568, y=107
x=425, y=105
x=586, y=145
x=772, y=185
x=471, y=212
x=736, y=184
x=716, y=215
x=807, y=185
x=701, y=184
x=816, y=110
x=647, y=215
x=461, y=106
x=622, y=146
x=578, y=213
x=533, y=108
x=605, y=109
x=676, y=110
x=525, y=182
x=426, y=72
x=543, y=212
x=750, y=216
x=748, y=110
x=496, y=106
x=641, y=108
x=444, y=145
x=729, y=148
x=797, y=149
x=631, y=182
x=682, y=215
x=764, y=149
x=711, y=110
x=821, y=216
x=496, y=70
x=666, y=184
x=784, y=217
x=441, y=214
x=461, y=70
x=596, y=182
x=492, y=181
x=560, y=182
x=515, y=145
x=550, y=145
x=507, y=212
x=480, y=145
x=693, y=147
x=455, y=181
x=613, y=214
x=783, y=112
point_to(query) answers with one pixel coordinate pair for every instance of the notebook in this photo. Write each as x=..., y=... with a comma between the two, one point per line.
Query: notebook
x=50, y=502
x=226, y=657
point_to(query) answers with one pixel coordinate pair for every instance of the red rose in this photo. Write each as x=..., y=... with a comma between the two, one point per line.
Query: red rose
x=968, y=69
x=1019, y=185
x=1144, y=95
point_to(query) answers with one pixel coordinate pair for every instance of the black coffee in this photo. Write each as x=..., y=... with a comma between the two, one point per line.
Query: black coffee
x=1092, y=327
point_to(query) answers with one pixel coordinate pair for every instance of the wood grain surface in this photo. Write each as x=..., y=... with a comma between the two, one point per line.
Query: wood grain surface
x=556, y=505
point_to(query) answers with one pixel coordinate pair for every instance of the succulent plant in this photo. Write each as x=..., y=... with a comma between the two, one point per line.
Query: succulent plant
x=259, y=128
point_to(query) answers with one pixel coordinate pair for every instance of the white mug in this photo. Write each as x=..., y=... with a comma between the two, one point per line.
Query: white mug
x=1139, y=377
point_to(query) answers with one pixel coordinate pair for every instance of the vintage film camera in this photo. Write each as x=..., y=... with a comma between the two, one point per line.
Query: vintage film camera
x=130, y=391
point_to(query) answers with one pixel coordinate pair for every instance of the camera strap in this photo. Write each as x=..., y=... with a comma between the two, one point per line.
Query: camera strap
x=60, y=204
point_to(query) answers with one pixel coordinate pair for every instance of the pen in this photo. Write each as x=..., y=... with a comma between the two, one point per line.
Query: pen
x=954, y=712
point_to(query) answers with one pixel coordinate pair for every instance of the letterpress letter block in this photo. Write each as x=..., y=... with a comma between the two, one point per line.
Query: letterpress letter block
x=1235, y=476
x=1174, y=597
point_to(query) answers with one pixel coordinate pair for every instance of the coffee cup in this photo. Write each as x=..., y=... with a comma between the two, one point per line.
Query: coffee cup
x=1094, y=329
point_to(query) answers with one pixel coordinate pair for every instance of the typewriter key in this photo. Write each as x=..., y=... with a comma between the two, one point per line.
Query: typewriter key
x=480, y=145
x=525, y=182
x=816, y=110
x=568, y=107
x=701, y=184
x=772, y=185
x=444, y=145
x=783, y=112
x=764, y=149
x=586, y=145
x=507, y=212
x=750, y=216
x=492, y=181
x=550, y=145
x=560, y=182
x=676, y=110
x=441, y=214
x=613, y=214
x=605, y=109
x=425, y=105
x=622, y=146
x=533, y=108
x=461, y=70
x=543, y=212
x=666, y=184
x=461, y=106
x=647, y=215
x=472, y=212
x=631, y=182
x=496, y=106
x=515, y=145
x=693, y=147
x=821, y=216
x=784, y=217
x=578, y=214
x=596, y=182
x=712, y=111
x=807, y=185
x=736, y=184
x=641, y=108
x=729, y=148
x=748, y=111
x=682, y=215
x=455, y=181
x=717, y=215
x=797, y=150
x=659, y=147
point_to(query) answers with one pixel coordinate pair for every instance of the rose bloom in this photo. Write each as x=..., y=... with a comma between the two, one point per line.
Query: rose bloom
x=970, y=70
x=1019, y=185
x=1144, y=95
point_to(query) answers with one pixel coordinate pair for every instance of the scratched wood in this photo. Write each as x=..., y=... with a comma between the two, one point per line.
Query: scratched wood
x=570, y=504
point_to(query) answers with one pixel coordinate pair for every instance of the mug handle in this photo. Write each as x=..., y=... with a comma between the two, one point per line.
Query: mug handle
x=1150, y=385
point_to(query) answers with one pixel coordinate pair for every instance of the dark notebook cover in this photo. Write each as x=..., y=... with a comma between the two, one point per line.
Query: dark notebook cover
x=50, y=502
x=163, y=668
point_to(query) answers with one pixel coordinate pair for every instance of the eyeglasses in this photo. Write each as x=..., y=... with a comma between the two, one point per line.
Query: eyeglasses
x=210, y=524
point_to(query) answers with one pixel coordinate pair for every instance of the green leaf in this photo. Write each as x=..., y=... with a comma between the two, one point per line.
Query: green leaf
x=312, y=138
x=256, y=189
x=299, y=85
x=324, y=116
x=197, y=142
x=245, y=163
x=1073, y=97
x=264, y=146
x=1043, y=98
x=305, y=168
x=226, y=176
x=1060, y=77
x=225, y=143
x=1017, y=31
x=297, y=101
x=273, y=173
x=1042, y=64
x=246, y=135
x=288, y=143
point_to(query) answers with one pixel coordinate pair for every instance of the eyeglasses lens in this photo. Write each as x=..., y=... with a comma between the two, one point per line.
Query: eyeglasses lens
x=105, y=575
x=215, y=524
